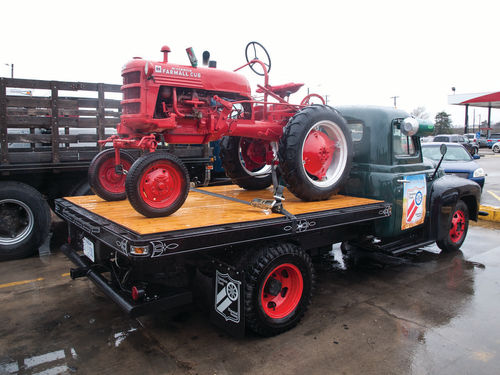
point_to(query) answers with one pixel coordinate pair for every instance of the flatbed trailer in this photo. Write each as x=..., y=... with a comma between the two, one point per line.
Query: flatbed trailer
x=213, y=232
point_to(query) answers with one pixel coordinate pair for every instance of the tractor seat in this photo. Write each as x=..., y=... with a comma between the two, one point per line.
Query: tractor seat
x=283, y=90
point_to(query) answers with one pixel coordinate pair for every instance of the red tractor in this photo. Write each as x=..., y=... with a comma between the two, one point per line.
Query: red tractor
x=308, y=145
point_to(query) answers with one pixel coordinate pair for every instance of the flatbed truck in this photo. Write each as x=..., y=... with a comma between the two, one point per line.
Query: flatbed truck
x=252, y=264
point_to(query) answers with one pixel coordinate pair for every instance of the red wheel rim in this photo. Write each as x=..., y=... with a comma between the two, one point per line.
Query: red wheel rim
x=282, y=290
x=109, y=179
x=318, y=153
x=161, y=184
x=253, y=153
x=457, y=226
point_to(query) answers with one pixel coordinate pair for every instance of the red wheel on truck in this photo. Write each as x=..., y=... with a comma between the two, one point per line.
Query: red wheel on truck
x=157, y=184
x=104, y=180
x=457, y=230
x=458, y=227
x=279, y=280
x=281, y=292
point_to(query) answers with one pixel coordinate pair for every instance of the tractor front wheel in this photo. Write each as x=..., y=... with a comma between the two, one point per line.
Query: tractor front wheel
x=315, y=153
x=103, y=179
x=244, y=161
x=157, y=184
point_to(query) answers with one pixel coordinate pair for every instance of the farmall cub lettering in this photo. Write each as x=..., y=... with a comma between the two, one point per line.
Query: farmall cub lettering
x=165, y=102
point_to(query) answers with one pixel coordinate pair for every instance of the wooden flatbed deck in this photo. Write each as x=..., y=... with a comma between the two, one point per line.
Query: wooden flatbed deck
x=201, y=210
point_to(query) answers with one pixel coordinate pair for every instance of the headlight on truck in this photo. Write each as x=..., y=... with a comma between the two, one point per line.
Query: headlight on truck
x=479, y=173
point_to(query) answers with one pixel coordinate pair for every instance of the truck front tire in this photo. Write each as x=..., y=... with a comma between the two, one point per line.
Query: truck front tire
x=459, y=225
x=278, y=290
x=24, y=220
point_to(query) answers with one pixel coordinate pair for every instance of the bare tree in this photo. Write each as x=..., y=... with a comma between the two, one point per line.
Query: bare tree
x=420, y=112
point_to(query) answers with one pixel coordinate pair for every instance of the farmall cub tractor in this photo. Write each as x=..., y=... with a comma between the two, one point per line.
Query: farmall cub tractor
x=309, y=146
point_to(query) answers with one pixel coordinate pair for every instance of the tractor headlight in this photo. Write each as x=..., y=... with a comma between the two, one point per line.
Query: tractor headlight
x=148, y=69
x=479, y=173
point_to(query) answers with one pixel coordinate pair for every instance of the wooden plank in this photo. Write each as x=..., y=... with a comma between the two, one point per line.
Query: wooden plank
x=63, y=85
x=201, y=210
x=100, y=112
x=28, y=102
x=54, y=121
x=4, y=158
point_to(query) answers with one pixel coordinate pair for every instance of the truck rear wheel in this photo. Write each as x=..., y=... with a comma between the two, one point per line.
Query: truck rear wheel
x=278, y=290
x=315, y=153
x=104, y=180
x=157, y=184
x=244, y=161
x=459, y=225
x=24, y=220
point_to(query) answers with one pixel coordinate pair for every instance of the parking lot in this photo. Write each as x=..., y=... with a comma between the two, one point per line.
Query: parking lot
x=433, y=313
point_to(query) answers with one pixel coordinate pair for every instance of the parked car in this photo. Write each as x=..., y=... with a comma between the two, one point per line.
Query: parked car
x=456, y=138
x=457, y=161
x=492, y=139
x=479, y=141
x=496, y=147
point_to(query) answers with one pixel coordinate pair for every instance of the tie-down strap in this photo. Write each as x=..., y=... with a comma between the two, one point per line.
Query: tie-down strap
x=275, y=205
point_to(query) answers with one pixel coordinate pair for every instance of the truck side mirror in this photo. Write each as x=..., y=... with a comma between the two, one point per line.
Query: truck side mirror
x=443, y=148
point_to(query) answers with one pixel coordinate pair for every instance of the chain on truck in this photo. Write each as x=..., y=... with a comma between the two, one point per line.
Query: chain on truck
x=306, y=177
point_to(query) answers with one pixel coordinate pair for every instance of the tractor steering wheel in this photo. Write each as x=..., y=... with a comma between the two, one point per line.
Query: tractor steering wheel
x=253, y=46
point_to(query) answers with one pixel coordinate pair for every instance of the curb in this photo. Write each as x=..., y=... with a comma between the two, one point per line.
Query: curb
x=493, y=213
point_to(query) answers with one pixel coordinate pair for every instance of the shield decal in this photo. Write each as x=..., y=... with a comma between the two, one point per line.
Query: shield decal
x=227, y=297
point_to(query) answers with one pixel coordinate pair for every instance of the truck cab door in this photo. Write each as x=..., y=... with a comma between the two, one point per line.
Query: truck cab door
x=407, y=182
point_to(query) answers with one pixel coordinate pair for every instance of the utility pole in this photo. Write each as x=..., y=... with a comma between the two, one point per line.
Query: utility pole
x=394, y=97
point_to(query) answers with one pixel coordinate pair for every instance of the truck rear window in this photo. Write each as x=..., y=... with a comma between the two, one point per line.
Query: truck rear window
x=402, y=145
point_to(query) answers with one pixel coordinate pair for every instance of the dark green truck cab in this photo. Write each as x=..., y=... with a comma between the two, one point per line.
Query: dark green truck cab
x=427, y=205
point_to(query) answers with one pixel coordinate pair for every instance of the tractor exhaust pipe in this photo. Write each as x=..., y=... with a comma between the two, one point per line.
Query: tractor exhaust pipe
x=166, y=51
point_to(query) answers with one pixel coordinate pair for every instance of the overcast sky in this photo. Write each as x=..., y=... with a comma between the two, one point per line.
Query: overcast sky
x=356, y=52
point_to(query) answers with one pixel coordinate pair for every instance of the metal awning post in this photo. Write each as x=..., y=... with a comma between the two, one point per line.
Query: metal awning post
x=489, y=120
x=466, y=128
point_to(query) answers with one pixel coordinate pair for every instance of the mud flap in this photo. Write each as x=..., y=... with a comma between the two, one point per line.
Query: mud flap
x=227, y=307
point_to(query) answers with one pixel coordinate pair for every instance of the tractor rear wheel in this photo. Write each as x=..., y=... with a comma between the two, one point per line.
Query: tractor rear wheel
x=244, y=161
x=315, y=153
x=103, y=179
x=157, y=184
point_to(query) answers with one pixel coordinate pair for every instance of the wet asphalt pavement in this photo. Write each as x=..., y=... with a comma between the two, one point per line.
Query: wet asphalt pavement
x=433, y=314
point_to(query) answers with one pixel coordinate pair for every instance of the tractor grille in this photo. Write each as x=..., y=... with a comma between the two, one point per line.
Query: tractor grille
x=131, y=108
x=131, y=93
x=132, y=77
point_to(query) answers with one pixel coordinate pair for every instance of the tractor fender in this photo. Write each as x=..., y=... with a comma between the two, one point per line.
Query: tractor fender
x=446, y=191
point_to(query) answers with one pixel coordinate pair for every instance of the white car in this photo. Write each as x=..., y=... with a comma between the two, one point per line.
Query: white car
x=496, y=147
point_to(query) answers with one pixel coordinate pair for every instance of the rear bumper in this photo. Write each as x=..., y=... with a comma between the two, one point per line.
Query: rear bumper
x=168, y=300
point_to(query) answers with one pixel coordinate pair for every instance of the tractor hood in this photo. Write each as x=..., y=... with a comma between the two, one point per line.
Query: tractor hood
x=209, y=79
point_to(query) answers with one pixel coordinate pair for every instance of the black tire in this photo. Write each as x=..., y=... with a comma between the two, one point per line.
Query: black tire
x=107, y=184
x=152, y=179
x=459, y=225
x=496, y=149
x=230, y=153
x=24, y=220
x=259, y=268
x=331, y=127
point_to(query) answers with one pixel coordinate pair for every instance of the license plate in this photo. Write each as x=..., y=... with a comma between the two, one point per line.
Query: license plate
x=88, y=249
